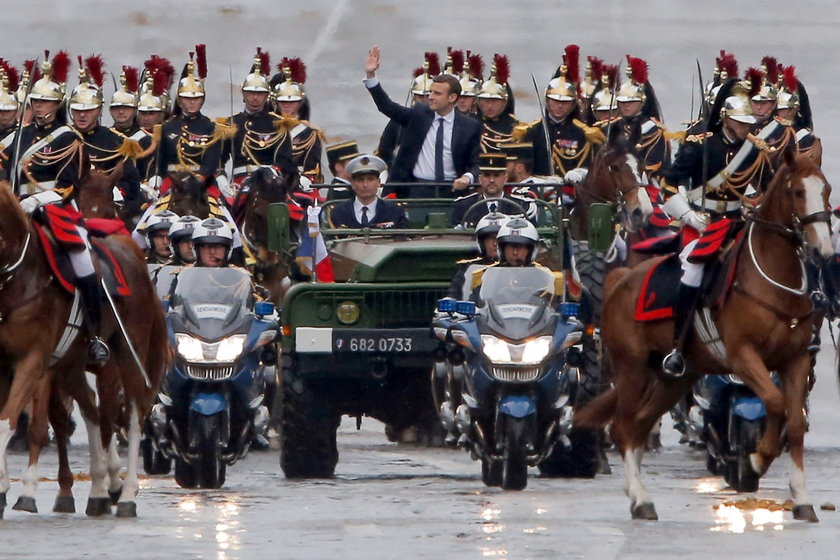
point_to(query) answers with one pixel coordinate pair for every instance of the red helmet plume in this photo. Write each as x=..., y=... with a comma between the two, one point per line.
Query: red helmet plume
x=597, y=66
x=201, y=60
x=502, y=68
x=11, y=75
x=754, y=76
x=296, y=67
x=773, y=70
x=433, y=62
x=726, y=62
x=638, y=69
x=265, y=61
x=95, y=69
x=457, y=61
x=789, y=78
x=132, y=78
x=571, y=58
x=475, y=64
x=60, y=67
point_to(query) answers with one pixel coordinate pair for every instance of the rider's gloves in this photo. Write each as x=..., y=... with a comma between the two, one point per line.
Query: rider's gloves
x=678, y=207
x=576, y=175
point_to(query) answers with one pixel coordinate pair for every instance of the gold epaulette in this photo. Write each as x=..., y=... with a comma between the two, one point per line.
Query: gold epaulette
x=679, y=135
x=157, y=132
x=285, y=124
x=669, y=189
x=697, y=137
x=130, y=149
x=224, y=130
x=593, y=134
x=522, y=128
x=478, y=275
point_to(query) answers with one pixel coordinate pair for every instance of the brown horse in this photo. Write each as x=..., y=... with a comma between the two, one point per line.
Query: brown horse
x=32, y=301
x=765, y=324
x=265, y=186
x=189, y=195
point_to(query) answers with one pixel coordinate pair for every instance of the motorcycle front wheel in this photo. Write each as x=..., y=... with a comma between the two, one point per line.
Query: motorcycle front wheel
x=211, y=469
x=744, y=436
x=514, y=465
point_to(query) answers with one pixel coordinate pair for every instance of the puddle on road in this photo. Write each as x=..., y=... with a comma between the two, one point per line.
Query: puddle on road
x=750, y=514
x=213, y=517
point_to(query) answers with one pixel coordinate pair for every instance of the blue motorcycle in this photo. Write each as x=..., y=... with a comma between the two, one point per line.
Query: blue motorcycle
x=211, y=403
x=513, y=344
x=731, y=419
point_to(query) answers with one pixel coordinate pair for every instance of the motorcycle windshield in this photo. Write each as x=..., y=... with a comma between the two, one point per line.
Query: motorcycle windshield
x=215, y=300
x=516, y=301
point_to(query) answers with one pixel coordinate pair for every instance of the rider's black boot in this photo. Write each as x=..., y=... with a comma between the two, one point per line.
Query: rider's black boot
x=674, y=363
x=90, y=290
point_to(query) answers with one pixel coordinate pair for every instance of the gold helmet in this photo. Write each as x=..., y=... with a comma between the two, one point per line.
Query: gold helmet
x=88, y=94
x=495, y=87
x=637, y=76
x=30, y=72
x=591, y=76
x=154, y=92
x=8, y=85
x=472, y=76
x=769, y=78
x=726, y=66
x=603, y=98
x=292, y=88
x=422, y=84
x=191, y=83
x=737, y=106
x=52, y=84
x=788, y=97
x=564, y=85
x=126, y=94
x=257, y=79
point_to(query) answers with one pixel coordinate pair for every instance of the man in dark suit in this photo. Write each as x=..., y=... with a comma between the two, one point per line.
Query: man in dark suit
x=438, y=143
x=366, y=209
x=492, y=177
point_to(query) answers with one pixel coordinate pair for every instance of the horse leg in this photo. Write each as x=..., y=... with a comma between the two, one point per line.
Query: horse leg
x=38, y=438
x=126, y=506
x=99, y=503
x=747, y=364
x=794, y=382
x=60, y=420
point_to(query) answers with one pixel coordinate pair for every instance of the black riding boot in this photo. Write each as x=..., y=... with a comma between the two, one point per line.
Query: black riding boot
x=674, y=363
x=90, y=290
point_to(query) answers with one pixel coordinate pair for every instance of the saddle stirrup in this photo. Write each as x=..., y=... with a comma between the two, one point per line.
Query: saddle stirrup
x=674, y=363
x=90, y=290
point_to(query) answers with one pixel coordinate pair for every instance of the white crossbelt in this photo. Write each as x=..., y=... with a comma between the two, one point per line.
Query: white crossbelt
x=746, y=149
x=36, y=147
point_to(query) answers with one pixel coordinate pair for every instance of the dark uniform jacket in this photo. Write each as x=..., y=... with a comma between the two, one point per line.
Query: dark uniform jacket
x=306, y=151
x=30, y=134
x=497, y=131
x=190, y=143
x=652, y=145
x=389, y=142
x=341, y=189
x=569, y=146
x=388, y=215
x=145, y=165
x=416, y=121
x=261, y=139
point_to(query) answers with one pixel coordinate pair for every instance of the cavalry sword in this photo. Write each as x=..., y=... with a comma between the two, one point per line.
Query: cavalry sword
x=15, y=178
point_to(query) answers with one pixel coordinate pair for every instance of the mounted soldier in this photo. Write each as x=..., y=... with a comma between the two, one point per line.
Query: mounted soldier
x=496, y=105
x=571, y=141
x=793, y=107
x=153, y=108
x=292, y=104
x=471, y=77
x=9, y=105
x=709, y=206
x=603, y=107
x=262, y=137
x=640, y=117
x=191, y=142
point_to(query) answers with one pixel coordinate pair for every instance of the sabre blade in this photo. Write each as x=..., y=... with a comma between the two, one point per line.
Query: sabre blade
x=704, y=112
x=15, y=178
x=549, y=148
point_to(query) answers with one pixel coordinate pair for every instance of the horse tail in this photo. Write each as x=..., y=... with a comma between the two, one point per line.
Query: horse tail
x=598, y=412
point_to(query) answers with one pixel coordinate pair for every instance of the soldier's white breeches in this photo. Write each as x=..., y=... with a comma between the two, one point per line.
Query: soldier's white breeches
x=692, y=273
x=31, y=203
x=81, y=260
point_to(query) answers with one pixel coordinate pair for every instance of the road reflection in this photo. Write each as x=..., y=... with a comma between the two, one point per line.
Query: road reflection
x=216, y=513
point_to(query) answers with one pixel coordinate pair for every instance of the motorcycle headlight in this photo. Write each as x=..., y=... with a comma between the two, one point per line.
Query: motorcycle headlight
x=531, y=352
x=198, y=351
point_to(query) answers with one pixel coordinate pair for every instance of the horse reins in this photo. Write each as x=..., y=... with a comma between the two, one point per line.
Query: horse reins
x=8, y=271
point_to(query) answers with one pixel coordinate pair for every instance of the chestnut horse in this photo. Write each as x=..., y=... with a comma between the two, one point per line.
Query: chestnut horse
x=265, y=186
x=189, y=195
x=35, y=310
x=765, y=324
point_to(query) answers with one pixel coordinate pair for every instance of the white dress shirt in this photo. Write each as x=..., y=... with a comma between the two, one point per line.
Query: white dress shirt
x=424, y=169
x=357, y=209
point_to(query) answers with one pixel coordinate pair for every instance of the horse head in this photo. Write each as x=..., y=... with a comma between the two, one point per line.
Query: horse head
x=266, y=185
x=189, y=195
x=95, y=192
x=618, y=177
x=798, y=198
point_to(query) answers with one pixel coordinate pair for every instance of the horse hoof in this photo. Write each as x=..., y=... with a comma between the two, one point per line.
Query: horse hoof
x=64, y=504
x=97, y=507
x=115, y=496
x=127, y=509
x=645, y=512
x=756, y=464
x=805, y=512
x=25, y=503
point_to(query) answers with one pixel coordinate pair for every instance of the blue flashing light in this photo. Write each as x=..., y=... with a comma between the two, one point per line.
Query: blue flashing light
x=447, y=305
x=570, y=309
x=465, y=308
x=263, y=308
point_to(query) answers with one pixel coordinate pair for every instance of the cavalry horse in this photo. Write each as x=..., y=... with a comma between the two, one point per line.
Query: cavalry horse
x=764, y=324
x=32, y=300
x=265, y=186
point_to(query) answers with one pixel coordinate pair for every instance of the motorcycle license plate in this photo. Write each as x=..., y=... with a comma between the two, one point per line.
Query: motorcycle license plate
x=392, y=341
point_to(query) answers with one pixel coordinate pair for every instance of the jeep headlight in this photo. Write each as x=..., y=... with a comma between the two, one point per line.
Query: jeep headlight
x=531, y=352
x=198, y=351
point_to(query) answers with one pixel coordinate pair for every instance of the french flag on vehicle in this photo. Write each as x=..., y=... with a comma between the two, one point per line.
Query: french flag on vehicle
x=313, y=249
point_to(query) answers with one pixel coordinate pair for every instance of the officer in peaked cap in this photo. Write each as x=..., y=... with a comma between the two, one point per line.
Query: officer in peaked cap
x=338, y=155
x=492, y=177
x=366, y=209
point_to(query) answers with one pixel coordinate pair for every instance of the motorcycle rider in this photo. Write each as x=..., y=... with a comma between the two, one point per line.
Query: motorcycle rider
x=180, y=240
x=485, y=237
x=157, y=236
x=212, y=241
x=517, y=242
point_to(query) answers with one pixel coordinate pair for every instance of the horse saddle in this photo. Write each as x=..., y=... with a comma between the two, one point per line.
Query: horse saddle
x=59, y=262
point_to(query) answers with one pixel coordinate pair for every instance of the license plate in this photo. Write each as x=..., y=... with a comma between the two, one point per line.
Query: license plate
x=398, y=341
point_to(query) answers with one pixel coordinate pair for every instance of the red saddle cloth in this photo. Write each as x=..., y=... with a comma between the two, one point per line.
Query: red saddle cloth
x=103, y=227
x=658, y=295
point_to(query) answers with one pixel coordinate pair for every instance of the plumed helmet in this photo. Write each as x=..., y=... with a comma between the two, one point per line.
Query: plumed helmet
x=126, y=94
x=182, y=229
x=191, y=83
x=292, y=88
x=8, y=85
x=472, y=76
x=726, y=67
x=603, y=98
x=788, y=97
x=212, y=231
x=496, y=86
x=760, y=88
x=52, y=85
x=592, y=76
x=88, y=94
x=637, y=76
x=518, y=231
x=564, y=85
x=422, y=83
x=160, y=222
x=154, y=91
x=257, y=79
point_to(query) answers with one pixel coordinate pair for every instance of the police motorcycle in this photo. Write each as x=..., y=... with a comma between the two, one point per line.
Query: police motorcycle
x=730, y=419
x=211, y=402
x=513, y=340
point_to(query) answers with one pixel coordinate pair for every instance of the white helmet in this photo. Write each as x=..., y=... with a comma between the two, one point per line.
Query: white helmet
x=182, y=228
x=212, y=231
x=162, y=221
x=518, y=231
x=488, y=226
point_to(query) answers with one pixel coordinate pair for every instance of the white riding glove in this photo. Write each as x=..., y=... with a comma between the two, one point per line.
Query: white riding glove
x=678, y=207
x=31, y=203
x=576, y=175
